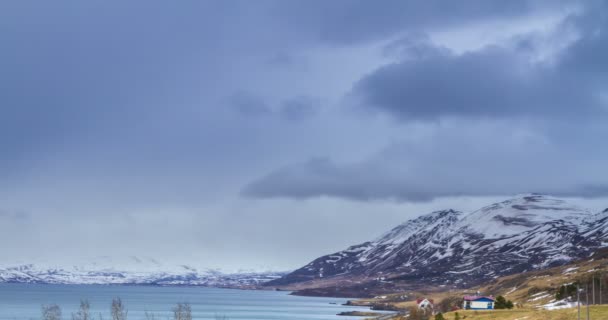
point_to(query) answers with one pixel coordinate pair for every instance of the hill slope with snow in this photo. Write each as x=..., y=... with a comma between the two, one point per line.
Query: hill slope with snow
x=450, y=248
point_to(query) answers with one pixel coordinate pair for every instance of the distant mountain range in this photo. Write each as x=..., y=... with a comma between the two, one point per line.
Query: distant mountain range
x=144, y=271
x=453, y=249
x=443, y=249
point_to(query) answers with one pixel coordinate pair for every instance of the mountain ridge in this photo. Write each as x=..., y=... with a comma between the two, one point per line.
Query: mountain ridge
x=452, y=249
x=143, y=271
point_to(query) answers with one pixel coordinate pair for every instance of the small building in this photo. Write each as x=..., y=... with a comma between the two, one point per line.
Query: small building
x=478, y=303
x=425, y=303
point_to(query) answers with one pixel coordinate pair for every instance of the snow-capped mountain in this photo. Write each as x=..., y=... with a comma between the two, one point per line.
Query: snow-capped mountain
x=130, y=270
x=449, y=248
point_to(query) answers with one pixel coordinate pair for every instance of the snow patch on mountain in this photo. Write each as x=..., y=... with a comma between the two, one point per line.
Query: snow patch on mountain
x=520, y=214
x=129, y=270
x=526, y=232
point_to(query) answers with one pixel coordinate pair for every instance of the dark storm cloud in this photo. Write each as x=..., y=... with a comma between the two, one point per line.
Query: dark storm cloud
x=371, y=181
x=322, y=177
x=541, y=130
x=492, y=82
x=465, y=159
x=143, y=119
x=71, y=71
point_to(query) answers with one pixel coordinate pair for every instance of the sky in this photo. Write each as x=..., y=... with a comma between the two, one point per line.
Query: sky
x=263, y=134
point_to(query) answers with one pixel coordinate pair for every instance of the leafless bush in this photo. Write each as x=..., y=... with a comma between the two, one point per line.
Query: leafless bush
x=449, y=303
x=150, y=315
x=182, y=311
x=51, y=312
x=119, y=312
x=419, y=313
x=83, y=312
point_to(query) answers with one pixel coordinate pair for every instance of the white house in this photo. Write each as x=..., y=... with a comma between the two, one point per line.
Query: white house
x=478, y=303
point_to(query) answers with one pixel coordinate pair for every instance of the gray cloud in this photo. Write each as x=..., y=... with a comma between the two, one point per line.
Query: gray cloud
x=459, y=159
x=414, y=46
x=284, y=59
x=249, y=104
x=348, y=21
x=296, y=108
x=502, y=122
x=492, y=82
x=299, y=108
x=144, y=119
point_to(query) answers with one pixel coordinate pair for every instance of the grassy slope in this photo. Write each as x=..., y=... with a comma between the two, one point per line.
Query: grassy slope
x=527, y=290
x=596, y=313
x=539, y=287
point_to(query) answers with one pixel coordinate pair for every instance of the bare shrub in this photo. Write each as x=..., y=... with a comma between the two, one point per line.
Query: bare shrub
x=419, y=313
x=83, y=312
x=182, y=311
x=118, y=311
x=449, y=303
x=51, y=312
x=150, y=315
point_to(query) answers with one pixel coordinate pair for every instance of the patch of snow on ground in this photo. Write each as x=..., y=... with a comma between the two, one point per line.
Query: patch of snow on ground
x=539, y=297
x=561, y=304
x=569, y=270
x=539, y=293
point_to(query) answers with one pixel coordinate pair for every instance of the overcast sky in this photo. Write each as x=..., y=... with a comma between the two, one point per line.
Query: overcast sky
x=262, y=134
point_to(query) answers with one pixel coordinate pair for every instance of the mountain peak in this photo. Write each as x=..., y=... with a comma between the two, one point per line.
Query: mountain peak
x=521, y=213
x=405, y=230
x=529, y=231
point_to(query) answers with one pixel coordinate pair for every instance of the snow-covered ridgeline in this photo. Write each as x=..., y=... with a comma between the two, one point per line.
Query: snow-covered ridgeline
x=527, y=232
x=134, y=270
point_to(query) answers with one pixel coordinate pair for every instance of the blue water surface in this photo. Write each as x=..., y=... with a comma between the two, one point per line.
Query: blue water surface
x=24, y=301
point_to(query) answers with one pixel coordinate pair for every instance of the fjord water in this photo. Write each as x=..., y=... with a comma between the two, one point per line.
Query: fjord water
x=23, y=301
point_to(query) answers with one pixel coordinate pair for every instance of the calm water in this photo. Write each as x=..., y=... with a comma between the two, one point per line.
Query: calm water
x=23, y=301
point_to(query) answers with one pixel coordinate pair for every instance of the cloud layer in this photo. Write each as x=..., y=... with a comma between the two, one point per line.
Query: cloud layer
x=495, y=81
x=504, y=122
x=455, y=160
x=165, y=123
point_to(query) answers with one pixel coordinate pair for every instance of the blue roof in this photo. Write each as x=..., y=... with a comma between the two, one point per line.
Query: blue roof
x=486, y=299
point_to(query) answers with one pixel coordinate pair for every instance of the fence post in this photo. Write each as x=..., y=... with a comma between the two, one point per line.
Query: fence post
x=578, y=300
x=587, y=298
x=593, y=288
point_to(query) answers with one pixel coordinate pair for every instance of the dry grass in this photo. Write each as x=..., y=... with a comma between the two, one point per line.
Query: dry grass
x=521, y=288
x=596, y=313
x=526, y=290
